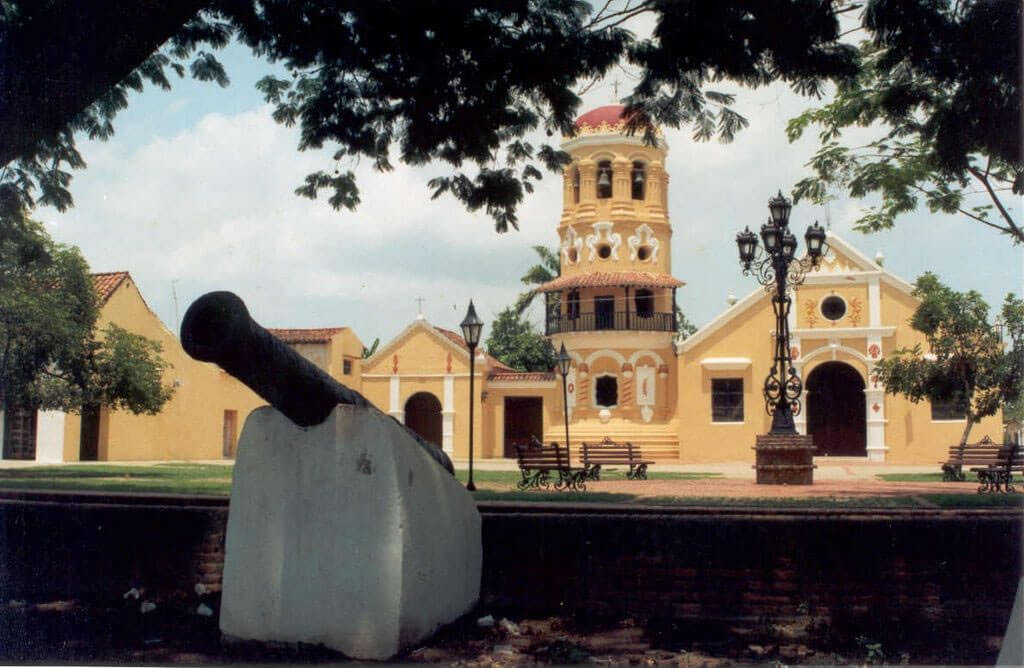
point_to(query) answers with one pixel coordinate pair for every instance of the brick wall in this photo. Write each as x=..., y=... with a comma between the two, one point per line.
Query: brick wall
x=918, y=569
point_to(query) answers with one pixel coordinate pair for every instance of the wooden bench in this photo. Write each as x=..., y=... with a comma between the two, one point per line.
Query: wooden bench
x=998, y=476
x=610, y=453
x=538, y=463
x=984, y=453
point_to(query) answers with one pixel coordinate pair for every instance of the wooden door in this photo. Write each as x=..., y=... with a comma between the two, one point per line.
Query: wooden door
x=524, y=417
x=836, y=411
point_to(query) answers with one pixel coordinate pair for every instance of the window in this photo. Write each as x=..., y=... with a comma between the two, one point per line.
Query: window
x=604, y=179
x=575, y=185
x=727, y=400
x=638, y=178
x=606, y=391
x=572, y=307
x=644, y=303
x=346, y=367
x=953, y=408
x=604, y=251
x=833, y=308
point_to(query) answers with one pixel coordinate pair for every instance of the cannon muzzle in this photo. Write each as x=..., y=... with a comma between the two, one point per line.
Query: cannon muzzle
x=217, y=328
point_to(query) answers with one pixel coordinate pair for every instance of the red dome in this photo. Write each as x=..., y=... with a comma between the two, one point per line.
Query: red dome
x=610, y=114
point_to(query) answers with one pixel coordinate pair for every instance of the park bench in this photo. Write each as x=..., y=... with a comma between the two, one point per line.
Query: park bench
x=610, y=453
x=998, y=476
x=548, y=465
x=983, y=453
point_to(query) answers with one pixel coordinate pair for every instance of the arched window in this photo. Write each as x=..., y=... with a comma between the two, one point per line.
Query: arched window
x=638, y=179
x=606, y=391
x=644, y=303
x=604, y=179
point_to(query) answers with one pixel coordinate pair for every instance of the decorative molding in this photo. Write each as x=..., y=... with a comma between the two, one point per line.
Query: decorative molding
x=725, y=363
x=571, y=241
x=603, y=232
x=644, y=236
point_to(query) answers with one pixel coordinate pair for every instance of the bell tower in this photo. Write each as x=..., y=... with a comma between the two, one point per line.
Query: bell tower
x=613, y=302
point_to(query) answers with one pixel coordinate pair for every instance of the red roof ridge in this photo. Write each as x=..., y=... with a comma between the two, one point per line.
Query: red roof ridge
x=457, y=339
x=106, y=282
x=305, y=335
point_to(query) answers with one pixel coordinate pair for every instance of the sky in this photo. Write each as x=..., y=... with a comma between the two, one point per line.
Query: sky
x=194, y=193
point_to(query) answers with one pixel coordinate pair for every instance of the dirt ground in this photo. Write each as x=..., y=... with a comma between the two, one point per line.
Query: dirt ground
x=735, y=488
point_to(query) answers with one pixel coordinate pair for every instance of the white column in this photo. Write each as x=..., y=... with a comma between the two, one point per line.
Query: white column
x=874, y=303
x=875, y=422
x=50, y=436
x=448, y=414
x=395, y=409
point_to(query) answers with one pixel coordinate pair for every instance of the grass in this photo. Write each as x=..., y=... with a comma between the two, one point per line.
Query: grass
x=910, y=477
x=187, y=478
x=176, y=478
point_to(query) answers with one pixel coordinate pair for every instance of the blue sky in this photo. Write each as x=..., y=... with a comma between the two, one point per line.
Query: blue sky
x=195, y=193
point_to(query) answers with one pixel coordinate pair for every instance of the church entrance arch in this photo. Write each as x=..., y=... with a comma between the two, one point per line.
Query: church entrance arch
x=423, y=416
x=836, y=410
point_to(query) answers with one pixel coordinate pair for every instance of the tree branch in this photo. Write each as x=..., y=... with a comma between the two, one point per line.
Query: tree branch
x=68, y=53
x=1013, y=229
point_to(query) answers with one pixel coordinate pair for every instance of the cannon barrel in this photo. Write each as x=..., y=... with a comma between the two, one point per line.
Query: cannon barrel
x=218, y=328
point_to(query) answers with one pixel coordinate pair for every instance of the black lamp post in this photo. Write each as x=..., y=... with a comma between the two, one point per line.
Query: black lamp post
x=471, y=328
x=778, y=269
x=563, y=368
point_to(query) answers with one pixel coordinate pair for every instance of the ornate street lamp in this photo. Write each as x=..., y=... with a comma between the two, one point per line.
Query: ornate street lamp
x=777, y=268
x=563, y=368
x=471, y=328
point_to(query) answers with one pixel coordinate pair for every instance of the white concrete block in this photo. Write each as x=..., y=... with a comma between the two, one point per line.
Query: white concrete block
x=346, y=534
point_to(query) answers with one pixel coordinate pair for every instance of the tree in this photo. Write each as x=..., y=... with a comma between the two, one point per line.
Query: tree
x=548, y=269
x=684, y=328
x=368, y=352
x=939, y=88
x=51, y=355
x=966, y=362
x=515, y=342
x=456, y=83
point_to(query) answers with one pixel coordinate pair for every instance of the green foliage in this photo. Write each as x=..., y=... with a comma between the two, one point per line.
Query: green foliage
x=684, y=328
x=939, y=86
x=50, y=356
x=368, y=352
x=966, y=359
x=515, y=342
x=435, y=81
x=548, y=269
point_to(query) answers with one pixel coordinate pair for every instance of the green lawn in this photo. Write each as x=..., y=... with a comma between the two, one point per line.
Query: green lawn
x=177, y=478
x=910, y=477
x=184, y=478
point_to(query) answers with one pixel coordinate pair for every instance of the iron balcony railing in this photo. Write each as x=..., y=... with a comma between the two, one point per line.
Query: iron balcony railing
x=618, y=320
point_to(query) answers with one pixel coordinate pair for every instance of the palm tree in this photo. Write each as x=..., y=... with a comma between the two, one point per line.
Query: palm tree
x=548, y=269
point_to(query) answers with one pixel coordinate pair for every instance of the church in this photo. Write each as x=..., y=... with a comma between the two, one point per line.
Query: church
x=612, y=307
x=631, y=379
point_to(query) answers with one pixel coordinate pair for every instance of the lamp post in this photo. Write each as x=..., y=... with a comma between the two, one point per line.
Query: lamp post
x=779, y=270
x=471, y=328
x=563, y=368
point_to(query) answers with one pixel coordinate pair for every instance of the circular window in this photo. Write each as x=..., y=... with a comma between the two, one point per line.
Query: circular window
x=604, y=251
x=833, y=308
x=643, y=253
x=572, y=255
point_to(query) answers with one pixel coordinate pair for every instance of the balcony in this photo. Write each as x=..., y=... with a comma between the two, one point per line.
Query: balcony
x=610, y=321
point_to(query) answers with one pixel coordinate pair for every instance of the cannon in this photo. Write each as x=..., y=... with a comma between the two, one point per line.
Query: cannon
x=218, y=328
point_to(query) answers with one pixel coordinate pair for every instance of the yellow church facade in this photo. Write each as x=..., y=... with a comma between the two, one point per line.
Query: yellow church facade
x=612, y=307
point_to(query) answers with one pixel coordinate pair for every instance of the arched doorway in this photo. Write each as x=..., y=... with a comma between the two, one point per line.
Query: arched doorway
x=423, y=416
x=836, y=411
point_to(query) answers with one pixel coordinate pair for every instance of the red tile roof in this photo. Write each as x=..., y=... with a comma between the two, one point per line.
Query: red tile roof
x=610, y=114
x=610, y=279
x=492, y=362
x=320, y=335
x=106, y=283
